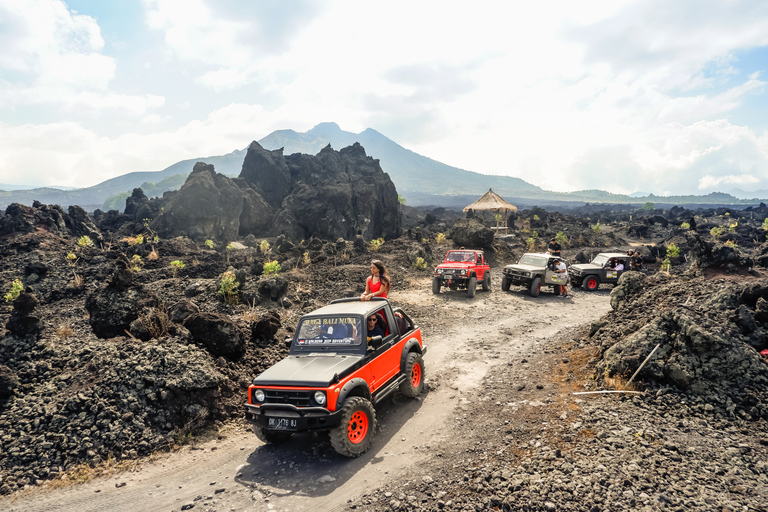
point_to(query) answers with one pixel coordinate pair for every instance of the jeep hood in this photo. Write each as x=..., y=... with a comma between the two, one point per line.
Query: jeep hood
x=307, y=370
x=456, y=264
x=526, y=268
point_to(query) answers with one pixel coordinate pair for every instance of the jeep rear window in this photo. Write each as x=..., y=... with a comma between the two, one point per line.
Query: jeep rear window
x=329, y=331
x=529, y=259
x=460, y=256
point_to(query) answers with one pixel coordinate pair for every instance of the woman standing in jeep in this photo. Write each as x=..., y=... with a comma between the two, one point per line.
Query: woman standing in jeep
x=377, y=284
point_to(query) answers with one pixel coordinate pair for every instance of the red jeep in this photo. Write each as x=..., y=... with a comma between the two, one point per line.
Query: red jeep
x=462, y=269
x=336, y=372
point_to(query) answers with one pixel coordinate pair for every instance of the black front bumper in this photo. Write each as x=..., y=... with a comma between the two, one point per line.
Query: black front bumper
x=300, y=419
x=517, y=279
x=450, y=279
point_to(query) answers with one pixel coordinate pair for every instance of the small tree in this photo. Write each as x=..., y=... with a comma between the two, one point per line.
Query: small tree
x=400, y=199
x=649, y=206
x=228, y=287
x=209, y=243
x=177, y=265
x=85, y=241
x=420, y=263
x=376, y=244
x=596, y=227
x=561, y=238
x=440, y=238
x=71, y=259
x=716, y=232
x=685, y=225
x=673, y=251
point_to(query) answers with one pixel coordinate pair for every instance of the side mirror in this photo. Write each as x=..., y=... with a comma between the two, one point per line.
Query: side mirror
x=288, y=342
x=376, y=341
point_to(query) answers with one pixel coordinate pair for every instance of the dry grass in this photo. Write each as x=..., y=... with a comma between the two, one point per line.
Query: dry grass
x=153, y=255
x=156, y=321
x=77, y=281
x=250, y=314
x=64, y=331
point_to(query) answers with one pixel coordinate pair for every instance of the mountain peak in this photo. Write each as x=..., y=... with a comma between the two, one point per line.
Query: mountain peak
x=325, y=129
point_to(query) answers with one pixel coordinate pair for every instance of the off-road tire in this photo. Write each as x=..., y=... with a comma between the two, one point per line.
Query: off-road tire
x=414, y=373
x=591, y=283
x=436, y=285
x=472, y=287
x=535, y=287
x=271, y=436
x=505, y=284
x=354, y=434
x=487, y=281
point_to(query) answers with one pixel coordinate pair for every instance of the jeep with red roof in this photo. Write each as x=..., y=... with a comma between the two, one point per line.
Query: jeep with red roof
x=461, y=270
x=344, y=359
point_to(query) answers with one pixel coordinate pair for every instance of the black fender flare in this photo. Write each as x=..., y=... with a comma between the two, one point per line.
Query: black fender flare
x=349, y=386
x=411, y=345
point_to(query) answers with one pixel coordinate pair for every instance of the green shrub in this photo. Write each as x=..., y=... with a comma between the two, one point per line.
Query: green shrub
x=305, y=260
x=376, y=244
x=732, y=227
x=400, y=199
x=731, y=244
x=440, y=238
x=177, y=265
x=71, y=259
x=85, y=241
x=531, y=243
x=264, y=246
x=535, y=217
x=716, y=232
x=685, y=225
x=561, y=238
x=228, y=287
x=596, y=227
x=765, y=224
x=673, y=251
x=649, y=206
x=271, y=268
x=209, y=243
x=666, y=265
x=16, y=289
x=420, y=263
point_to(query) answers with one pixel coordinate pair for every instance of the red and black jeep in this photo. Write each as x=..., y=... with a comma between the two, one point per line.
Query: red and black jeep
x=462, y=269
x=336, y=372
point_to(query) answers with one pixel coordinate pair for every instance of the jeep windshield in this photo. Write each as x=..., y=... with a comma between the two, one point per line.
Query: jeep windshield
x=460, y=256
x=600, y=260
x=536, y=261
x=329, y=331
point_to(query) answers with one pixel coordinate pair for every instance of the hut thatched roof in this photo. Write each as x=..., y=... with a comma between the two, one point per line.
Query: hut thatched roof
x=491, y=201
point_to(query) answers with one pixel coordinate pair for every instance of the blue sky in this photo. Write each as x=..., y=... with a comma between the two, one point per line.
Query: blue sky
x=662, y=97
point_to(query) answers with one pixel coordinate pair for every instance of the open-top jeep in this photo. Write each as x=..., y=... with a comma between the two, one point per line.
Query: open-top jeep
x=335, y=373
x=462, y=269
x=600, y=270
x=533, y=271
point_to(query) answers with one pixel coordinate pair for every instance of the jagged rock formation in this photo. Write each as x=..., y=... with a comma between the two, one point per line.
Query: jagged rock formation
x=26, y=219
x=210, y=205
x=334, y=194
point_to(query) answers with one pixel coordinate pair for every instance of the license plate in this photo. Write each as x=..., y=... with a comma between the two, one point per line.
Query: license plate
x=281, y=424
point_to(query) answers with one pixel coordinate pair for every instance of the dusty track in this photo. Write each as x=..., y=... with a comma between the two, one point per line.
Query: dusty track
x=465, y=337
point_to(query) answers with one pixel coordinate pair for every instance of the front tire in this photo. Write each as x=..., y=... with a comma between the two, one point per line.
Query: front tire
x=487, y=281
x=435, y=285
x=271, y=436
x=414, y=371
x=535, y=287
x=472, y=286
x=504, y=284
x=591, y=283
x=353, y=437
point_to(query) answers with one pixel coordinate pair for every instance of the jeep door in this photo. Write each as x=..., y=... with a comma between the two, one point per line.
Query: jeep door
x=386, y=363
x=482, y=267
x=552, y=277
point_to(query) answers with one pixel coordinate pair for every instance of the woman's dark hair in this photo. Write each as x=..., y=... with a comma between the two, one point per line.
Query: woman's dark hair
x=382, y=271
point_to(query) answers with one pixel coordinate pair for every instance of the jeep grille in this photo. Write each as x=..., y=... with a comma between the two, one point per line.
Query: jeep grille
x=285, y=396
x=515, y=272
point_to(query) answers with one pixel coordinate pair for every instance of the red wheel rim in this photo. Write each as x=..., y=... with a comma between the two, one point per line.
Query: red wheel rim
x=415, y=375
x=358, y=427
x=538, y=288
x=592, y=284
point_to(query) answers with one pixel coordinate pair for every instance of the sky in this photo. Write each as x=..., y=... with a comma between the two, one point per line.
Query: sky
x=620, y=95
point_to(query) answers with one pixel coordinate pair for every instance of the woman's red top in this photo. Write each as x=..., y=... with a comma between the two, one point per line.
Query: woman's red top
x=375, y=287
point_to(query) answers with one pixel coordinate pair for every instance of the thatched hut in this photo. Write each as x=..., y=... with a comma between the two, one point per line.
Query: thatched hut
x=495, y=203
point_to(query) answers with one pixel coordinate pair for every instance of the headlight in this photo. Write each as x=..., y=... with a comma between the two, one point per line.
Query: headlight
x=463, y=272
x=438, y=271
x=320, y=397
x=258, y=395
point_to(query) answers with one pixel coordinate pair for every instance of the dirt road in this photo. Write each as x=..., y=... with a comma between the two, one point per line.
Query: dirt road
x=465, y=338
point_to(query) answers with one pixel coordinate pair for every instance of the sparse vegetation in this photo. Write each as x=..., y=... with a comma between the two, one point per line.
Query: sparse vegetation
x=673, y=251
x=209, y=243
x=561, y=238
x=596, y=228
x=305, y=260
x=136, y=263
x=16, y=288
x=229, y=287
x=716, y=232
x=765, y=224
x=666, y=265
x=64, y=331
x=177, y=265
x=264, y=247
x=420, y=263
x=440, y=238
x=531, y=243
x=649, y=206
x=400, y=199
x=376, y=244
x=685, y=225
x=153, y=255
x=71, y=259
x=85, y=241
x=271, y=268
x=732, y=244
x=732, y=227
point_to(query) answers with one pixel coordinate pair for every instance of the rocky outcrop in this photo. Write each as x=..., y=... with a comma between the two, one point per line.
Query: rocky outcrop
x=471, y=233
x=337, y=194
x=217, y=333
x=211, y=205
x=19, y=218
x=267, y=172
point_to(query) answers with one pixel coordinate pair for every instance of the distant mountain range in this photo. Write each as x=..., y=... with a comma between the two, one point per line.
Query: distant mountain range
x=420, y=180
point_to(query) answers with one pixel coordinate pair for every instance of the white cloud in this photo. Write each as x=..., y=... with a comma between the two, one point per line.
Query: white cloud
x=714, y=182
